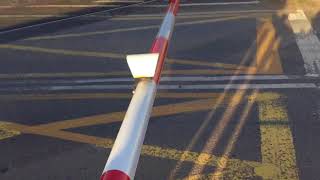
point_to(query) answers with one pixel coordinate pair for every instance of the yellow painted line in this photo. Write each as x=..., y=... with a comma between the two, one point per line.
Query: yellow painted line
x=76, y=96
x=63, y=52
x=208, y=64
x=147, y=150
x=6, y=132
x=163, y=110
x=115, y=73
x=70, y=6
x=267, y=55
x=30, y=15
x=117, y=56
x=54, y=75
x=276, y=141
x=122, y=73
x=73, y=35
x=204, y=72
x=80, y=96
x=118, y=1
x=236, y=167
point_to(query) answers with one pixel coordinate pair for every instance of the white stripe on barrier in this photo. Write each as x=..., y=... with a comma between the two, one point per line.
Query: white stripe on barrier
x=126, y=149
x=167, y=25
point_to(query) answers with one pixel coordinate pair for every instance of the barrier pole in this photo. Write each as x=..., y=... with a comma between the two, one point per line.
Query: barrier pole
x=125, y=153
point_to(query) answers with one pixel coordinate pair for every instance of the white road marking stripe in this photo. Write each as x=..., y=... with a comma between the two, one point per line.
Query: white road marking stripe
x=205, y=13
x=169, y=87
x=241, y=86
x=307, y=41
x=209, y=4
x=167, y=79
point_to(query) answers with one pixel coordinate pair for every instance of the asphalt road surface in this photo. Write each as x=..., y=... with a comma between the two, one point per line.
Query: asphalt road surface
x=239, y=97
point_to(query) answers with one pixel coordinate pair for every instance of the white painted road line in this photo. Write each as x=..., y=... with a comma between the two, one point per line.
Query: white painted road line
x=166, y=79
x=307, y=41
x=210, y=4
x=168, y=87
x=207, y=13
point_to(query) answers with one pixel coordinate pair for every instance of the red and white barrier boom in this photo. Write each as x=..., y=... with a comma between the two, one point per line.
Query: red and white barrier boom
x=124, y=156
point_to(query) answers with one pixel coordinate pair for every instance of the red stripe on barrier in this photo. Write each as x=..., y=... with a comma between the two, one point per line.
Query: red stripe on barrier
x=174, y=6
x=159, y=46
x=114, y=175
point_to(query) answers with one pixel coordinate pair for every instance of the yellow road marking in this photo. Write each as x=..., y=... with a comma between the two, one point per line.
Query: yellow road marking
x=147, y=150
x=235, y=167
x=70, y=6
x=203, y=71
x=267, y=56
x=115, y=73
x=163, y=110
x=73, y=35
x=118, y=1
x=5, y=132
x=63, y=52
x=25, y=97
x=208, y=64
x=276, y=141
x=118, y=56
x=54, y=75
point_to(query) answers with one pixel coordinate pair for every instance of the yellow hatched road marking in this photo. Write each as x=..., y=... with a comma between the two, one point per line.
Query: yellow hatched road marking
x=276, y=141
x=147, y=150
x=7, y=133
x=163, y=110
x=119, y=56
x=239, y=168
